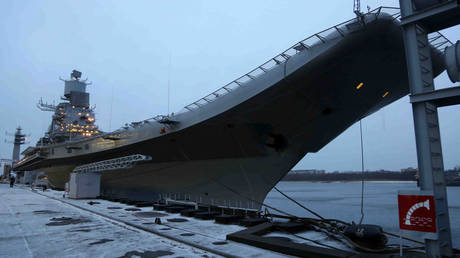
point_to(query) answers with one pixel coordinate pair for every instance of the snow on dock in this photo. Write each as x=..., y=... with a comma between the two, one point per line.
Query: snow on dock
x=33, y=225
x=44, y=224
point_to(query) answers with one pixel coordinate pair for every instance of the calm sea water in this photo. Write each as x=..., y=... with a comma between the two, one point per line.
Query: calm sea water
x=342, y=200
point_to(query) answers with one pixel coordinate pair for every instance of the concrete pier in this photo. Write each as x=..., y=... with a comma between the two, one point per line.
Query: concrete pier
x=36, y=223
x=45, y=224
x=33, y=225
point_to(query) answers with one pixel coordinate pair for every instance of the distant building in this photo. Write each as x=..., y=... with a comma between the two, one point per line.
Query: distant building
x=310, y=171
x=6, y=170
x=409, y=170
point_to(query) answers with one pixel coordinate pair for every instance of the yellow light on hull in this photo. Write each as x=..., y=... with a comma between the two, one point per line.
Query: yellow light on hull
x=384, y=95
x=359, y=86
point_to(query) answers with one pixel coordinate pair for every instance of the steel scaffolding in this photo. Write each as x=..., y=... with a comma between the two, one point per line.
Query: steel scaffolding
x=418, y=18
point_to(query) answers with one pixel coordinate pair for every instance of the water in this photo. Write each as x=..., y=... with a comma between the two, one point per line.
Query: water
x=342, y=200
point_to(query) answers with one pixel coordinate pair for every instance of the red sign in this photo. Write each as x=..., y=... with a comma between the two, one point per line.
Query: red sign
x=417, y=213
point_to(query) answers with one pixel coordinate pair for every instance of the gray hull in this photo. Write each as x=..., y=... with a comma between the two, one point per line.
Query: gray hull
x=233, y=150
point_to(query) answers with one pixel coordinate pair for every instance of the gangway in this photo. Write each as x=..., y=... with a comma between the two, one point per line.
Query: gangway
x=112, y=164
x=85, y=180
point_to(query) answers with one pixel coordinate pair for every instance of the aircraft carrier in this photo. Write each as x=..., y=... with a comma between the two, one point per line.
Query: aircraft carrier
x=231, y=147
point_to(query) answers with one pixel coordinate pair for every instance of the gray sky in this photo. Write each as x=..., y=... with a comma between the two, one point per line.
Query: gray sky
x=124, y=47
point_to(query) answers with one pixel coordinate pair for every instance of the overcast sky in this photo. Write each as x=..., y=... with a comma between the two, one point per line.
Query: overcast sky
x=125, y=48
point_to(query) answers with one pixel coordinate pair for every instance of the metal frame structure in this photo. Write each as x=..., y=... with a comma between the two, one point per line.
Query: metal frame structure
x=45, y=106
x=112, y=164
x=18, y=140
x=417, y=24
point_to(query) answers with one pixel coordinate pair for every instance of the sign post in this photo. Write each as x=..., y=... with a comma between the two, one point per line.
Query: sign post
x=417, y=214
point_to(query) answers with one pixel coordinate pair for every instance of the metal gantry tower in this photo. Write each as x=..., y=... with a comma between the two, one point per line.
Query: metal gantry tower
x=418, y=19
x=19, y=139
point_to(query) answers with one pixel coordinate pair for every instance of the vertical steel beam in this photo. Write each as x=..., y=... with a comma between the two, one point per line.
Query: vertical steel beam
x=427, y=135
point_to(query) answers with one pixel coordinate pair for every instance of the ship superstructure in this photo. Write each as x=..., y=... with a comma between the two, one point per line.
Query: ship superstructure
x=74, y=118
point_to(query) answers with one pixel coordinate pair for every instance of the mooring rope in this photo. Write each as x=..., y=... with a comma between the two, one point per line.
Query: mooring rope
x=362, y=172
x=296, y=202
x=250, y=199
x=335, y=228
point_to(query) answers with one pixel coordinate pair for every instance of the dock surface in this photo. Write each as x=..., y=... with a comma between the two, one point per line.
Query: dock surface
x=36, y=223
x=44, y=224
x=36, y=226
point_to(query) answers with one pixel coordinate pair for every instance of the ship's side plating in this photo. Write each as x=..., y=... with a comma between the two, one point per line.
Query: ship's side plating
x=233, y=150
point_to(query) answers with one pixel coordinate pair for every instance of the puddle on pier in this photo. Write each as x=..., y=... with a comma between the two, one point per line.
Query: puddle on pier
x=147, y=254
x=102, y=241
x=62, y=221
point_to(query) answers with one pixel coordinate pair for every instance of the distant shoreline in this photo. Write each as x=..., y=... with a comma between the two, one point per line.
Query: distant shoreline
x=321, y=176
x=347, y=181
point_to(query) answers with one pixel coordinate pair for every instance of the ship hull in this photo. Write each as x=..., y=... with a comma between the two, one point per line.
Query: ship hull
x=237, y=149
x=232, y=182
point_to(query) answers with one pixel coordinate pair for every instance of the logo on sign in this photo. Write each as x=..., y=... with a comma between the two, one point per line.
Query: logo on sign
x=417, y=213
x=417, y=220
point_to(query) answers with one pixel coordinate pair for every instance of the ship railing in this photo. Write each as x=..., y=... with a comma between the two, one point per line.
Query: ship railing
x=439, y=41
x=28, y=158
x=162, y=119
x=436, y=39
x=159, y=118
